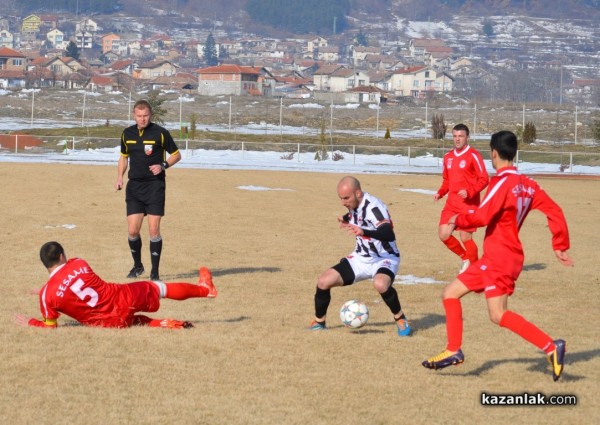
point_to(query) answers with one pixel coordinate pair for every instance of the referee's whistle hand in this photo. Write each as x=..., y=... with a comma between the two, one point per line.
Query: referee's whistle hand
x=156, y=169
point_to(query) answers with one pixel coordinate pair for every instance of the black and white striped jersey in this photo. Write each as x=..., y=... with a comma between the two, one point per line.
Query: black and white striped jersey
x=369, y=215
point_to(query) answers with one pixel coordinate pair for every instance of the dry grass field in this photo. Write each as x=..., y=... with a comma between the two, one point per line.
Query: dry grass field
x=250, y=359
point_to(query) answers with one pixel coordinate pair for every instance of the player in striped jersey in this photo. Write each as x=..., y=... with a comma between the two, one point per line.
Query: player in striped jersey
x=508, y=201
x=464, y=177
x=375, y=254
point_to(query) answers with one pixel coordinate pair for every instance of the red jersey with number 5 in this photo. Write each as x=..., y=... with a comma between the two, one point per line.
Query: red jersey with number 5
x=509, y=198
x=75, y=290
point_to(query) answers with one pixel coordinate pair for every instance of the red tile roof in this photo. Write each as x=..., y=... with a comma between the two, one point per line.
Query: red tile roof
x=229, y=69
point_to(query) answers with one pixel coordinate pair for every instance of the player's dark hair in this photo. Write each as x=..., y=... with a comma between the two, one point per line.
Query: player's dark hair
x=142, y=104
x=461, y=127
x=505, y=143
x=50, y=254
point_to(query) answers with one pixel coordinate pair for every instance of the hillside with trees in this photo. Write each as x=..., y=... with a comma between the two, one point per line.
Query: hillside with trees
x=301, y=16
x=314, y=16
x=88, y=7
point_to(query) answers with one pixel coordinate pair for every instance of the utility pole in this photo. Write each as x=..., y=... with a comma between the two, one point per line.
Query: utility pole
x=561, y=84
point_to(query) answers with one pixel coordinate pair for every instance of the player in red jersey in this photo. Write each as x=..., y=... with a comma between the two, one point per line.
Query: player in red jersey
x=75, y=290
x=464, y=177
x=509, y=199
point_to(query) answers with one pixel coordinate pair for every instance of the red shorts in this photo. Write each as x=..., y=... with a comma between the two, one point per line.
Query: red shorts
x=484, y=276
x=448, y=213
x=136, y=297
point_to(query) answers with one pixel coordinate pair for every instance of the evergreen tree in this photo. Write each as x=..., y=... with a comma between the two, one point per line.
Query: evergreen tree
x=488, y=29
x=72, y=51
x=596, y=130
x=158, y=111
x=361, y=39
x=210, y=51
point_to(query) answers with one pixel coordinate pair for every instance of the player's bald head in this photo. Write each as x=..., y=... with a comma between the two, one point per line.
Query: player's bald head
x=349, y=182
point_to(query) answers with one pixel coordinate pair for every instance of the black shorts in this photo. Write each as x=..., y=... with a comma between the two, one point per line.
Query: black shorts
x=145, y=197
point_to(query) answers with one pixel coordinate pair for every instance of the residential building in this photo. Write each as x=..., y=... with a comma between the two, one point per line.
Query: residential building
x=84, y=40
x=57, y=39
x=110, y=42
x=31, y=25
x=6, y=39
x=345, y=79
x=322, y=76
x=86, y=25
x=328, y=54
x=359, y=53
x=417, y=81
x=11, y=60
x=153, y=69
x=419, y=48
x=48, y=22
x=229, y=80
x=12, y=79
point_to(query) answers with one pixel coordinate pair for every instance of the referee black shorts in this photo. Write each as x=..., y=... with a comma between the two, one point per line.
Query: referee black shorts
x=145, y=197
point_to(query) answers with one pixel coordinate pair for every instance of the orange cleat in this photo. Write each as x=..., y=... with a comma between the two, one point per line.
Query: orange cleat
x=171, y=324
x=206, y=282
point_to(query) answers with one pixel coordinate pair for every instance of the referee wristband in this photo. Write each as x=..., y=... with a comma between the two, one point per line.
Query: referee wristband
x=165, y=165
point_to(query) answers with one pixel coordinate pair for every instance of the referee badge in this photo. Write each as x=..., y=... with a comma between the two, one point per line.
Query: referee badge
x=148, y=149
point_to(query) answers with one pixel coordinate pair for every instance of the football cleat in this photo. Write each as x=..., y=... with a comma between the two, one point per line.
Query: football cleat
x=175, y=324
x=403, y=327
x=317, y=326
x=205, y=281
x=154, y=276
x=557, y=358
x=136, y=271
x=444, y=359
x=464, y=266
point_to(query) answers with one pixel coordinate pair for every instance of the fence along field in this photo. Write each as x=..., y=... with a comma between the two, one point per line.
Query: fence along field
x=302, y=127
x=555, y=124
x=422, y=159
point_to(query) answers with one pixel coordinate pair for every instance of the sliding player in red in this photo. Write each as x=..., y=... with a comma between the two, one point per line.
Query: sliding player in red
x=75, y=290
x=464, y=177
x=510, y=197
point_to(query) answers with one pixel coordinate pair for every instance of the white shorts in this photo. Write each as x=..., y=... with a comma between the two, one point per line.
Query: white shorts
x=363, y=270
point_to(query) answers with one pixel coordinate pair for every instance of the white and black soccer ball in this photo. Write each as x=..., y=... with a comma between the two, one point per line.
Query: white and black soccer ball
x=354, y=314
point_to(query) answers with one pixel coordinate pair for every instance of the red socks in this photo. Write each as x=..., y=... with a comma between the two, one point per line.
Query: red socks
x=183, y=291
x=454, y=323
x=527, y=330
x=471, y=250
x=454, y=245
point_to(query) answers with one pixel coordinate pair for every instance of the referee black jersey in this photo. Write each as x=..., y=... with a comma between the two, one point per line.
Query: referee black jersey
x=145, y=148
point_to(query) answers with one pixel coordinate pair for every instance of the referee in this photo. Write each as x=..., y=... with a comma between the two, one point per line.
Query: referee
x=144, y=148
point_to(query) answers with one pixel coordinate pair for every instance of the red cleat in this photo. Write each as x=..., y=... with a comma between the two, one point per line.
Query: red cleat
x=206, y=282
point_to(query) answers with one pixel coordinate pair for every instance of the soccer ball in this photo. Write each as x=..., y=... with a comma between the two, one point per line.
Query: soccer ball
x=354, y=314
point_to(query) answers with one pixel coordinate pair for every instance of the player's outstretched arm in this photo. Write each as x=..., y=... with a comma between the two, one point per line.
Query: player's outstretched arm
x=23, y=320
x=564, y=258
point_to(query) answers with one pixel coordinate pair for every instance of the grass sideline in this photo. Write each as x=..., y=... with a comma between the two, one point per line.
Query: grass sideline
x=250, y=360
